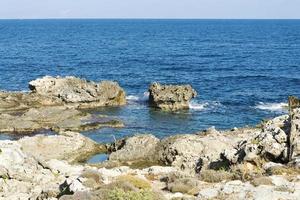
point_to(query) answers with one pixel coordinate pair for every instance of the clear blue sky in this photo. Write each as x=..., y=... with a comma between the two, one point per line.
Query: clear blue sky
x=150, y=9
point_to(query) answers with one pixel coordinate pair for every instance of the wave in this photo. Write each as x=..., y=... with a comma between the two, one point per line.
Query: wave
x=273, y=107
x=204, y=105
x=198, y=106
x=193, y=105
x=138, y=98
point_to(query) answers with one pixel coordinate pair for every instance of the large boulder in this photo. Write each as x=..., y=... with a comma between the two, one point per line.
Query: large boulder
x=136, y=148
x=171, y=97
x=193, y=152
x=269, y=143
x=73, y=90
x=69, y=146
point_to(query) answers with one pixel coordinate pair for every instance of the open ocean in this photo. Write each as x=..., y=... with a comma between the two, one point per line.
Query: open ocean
x=243, y=70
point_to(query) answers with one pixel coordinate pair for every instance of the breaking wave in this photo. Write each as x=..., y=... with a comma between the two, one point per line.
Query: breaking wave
x=138, y=98
x=273, y=107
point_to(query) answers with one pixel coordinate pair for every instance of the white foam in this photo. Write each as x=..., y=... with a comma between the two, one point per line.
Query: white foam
x=132, y=98
x=274, y=107
x=197, y=106
x=138, y=98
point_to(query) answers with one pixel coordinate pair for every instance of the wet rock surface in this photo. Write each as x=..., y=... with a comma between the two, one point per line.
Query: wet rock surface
x=57, y=118
x=14, y=102
x=171, y=97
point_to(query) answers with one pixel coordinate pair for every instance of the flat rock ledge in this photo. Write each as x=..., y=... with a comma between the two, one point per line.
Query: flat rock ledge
x=56, y=118
x=171, y=97
x=69, y=146
x=63, y=91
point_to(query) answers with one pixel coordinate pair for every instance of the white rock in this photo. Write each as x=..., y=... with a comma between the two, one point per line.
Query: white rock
x=208, y=193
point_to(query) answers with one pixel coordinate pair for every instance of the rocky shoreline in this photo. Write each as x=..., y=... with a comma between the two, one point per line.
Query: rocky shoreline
x=245, y=163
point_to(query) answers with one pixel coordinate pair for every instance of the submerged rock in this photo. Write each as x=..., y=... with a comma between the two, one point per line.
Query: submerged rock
x=84, y=93
x=171, y=97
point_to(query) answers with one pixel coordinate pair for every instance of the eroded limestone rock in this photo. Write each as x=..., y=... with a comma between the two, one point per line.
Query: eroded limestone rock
x=136, y=148
x=171, y=97
x=25, y=177
x=277, y=141
x=192, y=152
x=79, y=91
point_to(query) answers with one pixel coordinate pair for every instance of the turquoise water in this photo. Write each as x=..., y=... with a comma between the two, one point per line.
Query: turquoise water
x=243, y=70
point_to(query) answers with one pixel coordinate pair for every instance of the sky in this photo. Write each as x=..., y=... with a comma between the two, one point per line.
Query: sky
x=215, y=9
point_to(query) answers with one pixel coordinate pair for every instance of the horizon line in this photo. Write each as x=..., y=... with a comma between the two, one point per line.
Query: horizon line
x=146, y=18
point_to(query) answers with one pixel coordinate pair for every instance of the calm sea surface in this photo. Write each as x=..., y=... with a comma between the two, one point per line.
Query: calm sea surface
x=243, y=70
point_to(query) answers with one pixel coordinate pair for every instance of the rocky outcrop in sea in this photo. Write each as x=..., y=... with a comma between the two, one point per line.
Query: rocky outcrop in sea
x=171, y=97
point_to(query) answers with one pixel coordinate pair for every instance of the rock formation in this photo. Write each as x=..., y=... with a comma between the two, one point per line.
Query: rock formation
x=57, y=118
x=84, y=93
x=68, y=91
x=136, y=148
x=69, y=146
x=171, y=97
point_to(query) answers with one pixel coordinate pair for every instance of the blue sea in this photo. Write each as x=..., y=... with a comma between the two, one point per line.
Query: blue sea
x=243, y=70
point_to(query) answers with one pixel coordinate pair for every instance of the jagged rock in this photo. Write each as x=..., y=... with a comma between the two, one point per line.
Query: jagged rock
x=171, y=97
x=294, y=102
x=58, y=118
x=271, y=143
x=69, y=146
x=294, y=136
x=74, y=90
x=139, y=147
x=25, y=177
x=192, y=152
